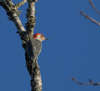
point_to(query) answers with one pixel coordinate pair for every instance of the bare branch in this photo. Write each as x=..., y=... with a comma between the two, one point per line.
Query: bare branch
x=30, y=16
x=12, y=12
x=93, y=6
x=90, y=18
x=34, y=71
x=33, y=67
x=20, y=4
x=90, y=83
x=27, y=39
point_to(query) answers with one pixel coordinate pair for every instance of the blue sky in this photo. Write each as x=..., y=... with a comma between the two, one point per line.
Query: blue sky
x=72, y=50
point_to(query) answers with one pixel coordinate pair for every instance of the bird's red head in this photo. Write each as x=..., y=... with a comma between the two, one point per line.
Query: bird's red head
x=39, y=37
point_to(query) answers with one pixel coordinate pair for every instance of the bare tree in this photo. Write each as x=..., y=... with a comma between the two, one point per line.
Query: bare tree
x=90, y=82
x=26, y=35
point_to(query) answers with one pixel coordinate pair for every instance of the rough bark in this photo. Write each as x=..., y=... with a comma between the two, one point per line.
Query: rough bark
x=25, y=35
x=30, y=16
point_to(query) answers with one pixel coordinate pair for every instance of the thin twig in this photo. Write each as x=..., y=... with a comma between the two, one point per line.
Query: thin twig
x=93, y=6
x=89, y=83
x=90, y=18
x=20, y=4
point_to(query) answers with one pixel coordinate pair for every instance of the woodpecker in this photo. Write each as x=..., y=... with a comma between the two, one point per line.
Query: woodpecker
x=34, y=46
x=38, y=38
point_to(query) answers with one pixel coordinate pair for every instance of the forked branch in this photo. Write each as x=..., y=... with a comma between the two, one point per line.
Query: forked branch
x=26, y=35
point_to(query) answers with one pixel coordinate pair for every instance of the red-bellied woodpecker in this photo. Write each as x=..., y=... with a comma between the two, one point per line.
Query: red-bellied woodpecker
x=37, y=43
x=33, y=50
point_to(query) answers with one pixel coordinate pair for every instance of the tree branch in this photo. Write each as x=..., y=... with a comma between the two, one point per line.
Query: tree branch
x=93, y=6
x=90, y=83
x=13, y=13
x=26, y=37
x=32, y=65
x=34, y=71
x=30, y=16
x=20, y=4
x=90, y=18
x=36, y=81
